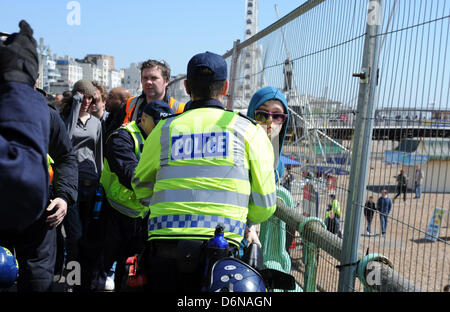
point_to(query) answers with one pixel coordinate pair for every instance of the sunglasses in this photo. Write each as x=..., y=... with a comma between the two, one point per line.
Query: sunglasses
x=263, y=116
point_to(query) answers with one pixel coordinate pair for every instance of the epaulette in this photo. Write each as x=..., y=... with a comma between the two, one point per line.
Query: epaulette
x=248, y=118
x=114, y=133
x=170, y=115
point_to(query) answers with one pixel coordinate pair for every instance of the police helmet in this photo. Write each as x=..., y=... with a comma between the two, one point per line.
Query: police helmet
x=9, y=268
x=234, y=275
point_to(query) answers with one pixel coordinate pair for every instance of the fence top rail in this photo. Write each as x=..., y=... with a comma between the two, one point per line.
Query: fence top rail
x=307, y=6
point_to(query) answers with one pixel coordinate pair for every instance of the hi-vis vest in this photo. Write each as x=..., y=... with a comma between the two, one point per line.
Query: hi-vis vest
x=202, y=168
x=119, y=197
x=176, y=106
x=336, y=208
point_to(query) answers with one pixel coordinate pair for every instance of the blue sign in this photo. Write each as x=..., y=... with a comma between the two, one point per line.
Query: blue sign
x=435, y=224
x=402, y=158
x=200, y=145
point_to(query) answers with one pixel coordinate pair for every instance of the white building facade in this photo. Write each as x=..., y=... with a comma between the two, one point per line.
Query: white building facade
x=132, y=79
x=115, y=79
x=90, y=71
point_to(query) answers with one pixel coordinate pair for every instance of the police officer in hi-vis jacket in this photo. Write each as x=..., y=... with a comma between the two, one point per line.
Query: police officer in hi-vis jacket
x=204, y=167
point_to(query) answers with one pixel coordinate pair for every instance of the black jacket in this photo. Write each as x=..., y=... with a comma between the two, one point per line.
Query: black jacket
x=369, y=209
x=119, y=152
x=65, y=167
x=24, y=134
x=401, y=180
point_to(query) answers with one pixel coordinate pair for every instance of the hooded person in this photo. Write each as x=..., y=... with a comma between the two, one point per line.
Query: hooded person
x=269, y=108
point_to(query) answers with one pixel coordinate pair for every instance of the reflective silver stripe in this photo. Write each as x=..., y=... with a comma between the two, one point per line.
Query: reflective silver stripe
x=137, y=104
x=137, y=137
x=240, y=127
x=125, y=210
x=165, y=142
x=176, y=105
x=200, y=195
x=145, y=201
x=140, y=140
x=268, y=200
x=196, y=221
x=138, y=183
x=203, y=171
x=132, y=105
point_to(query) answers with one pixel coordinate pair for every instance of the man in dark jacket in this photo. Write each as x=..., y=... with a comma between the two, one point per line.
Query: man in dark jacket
x=332, y=223
x=369, y=210
x=24, y=140
x=402, y=180
x=64, y=187
x=62, y=193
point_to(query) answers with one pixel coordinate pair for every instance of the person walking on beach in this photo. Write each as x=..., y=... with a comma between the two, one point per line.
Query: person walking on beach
x=369, y=210
x=384, y=206
x=402, y=180
x=418, y=176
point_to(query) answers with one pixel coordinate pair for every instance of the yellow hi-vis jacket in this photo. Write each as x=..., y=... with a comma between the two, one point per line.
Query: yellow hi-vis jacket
x=335, y=207
x=202, y=168
x=119, y=197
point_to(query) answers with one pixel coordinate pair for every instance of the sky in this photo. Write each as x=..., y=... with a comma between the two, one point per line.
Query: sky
x=137, y=30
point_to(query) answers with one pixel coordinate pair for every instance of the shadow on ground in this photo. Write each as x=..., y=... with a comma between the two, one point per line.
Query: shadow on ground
x=392, y=189
x=425, y=241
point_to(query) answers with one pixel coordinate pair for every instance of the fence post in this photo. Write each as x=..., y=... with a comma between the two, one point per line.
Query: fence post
x=361, y=147
x=234, y=59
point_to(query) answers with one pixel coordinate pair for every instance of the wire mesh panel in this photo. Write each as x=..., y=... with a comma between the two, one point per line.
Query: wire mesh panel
x=315, y=59
x=412, y=106
x=311, y=59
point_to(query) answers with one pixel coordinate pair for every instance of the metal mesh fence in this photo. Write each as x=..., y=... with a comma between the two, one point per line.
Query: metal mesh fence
x=312, y=59
x=411, y=105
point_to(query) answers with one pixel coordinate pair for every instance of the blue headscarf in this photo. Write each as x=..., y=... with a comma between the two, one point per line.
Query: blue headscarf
x=259, y=98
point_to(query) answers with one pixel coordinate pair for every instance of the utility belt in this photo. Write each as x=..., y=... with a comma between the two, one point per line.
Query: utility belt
x=188, y=253
x=165, y=248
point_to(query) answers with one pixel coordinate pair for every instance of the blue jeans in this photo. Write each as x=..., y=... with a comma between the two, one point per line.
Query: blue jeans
x=383, y=221
x=418, y=189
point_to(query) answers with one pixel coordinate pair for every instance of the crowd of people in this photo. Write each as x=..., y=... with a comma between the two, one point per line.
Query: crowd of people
x=96, y=177
x=164, y=173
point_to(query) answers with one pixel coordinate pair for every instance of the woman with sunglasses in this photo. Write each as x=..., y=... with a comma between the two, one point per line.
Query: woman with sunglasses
x=269, y=108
